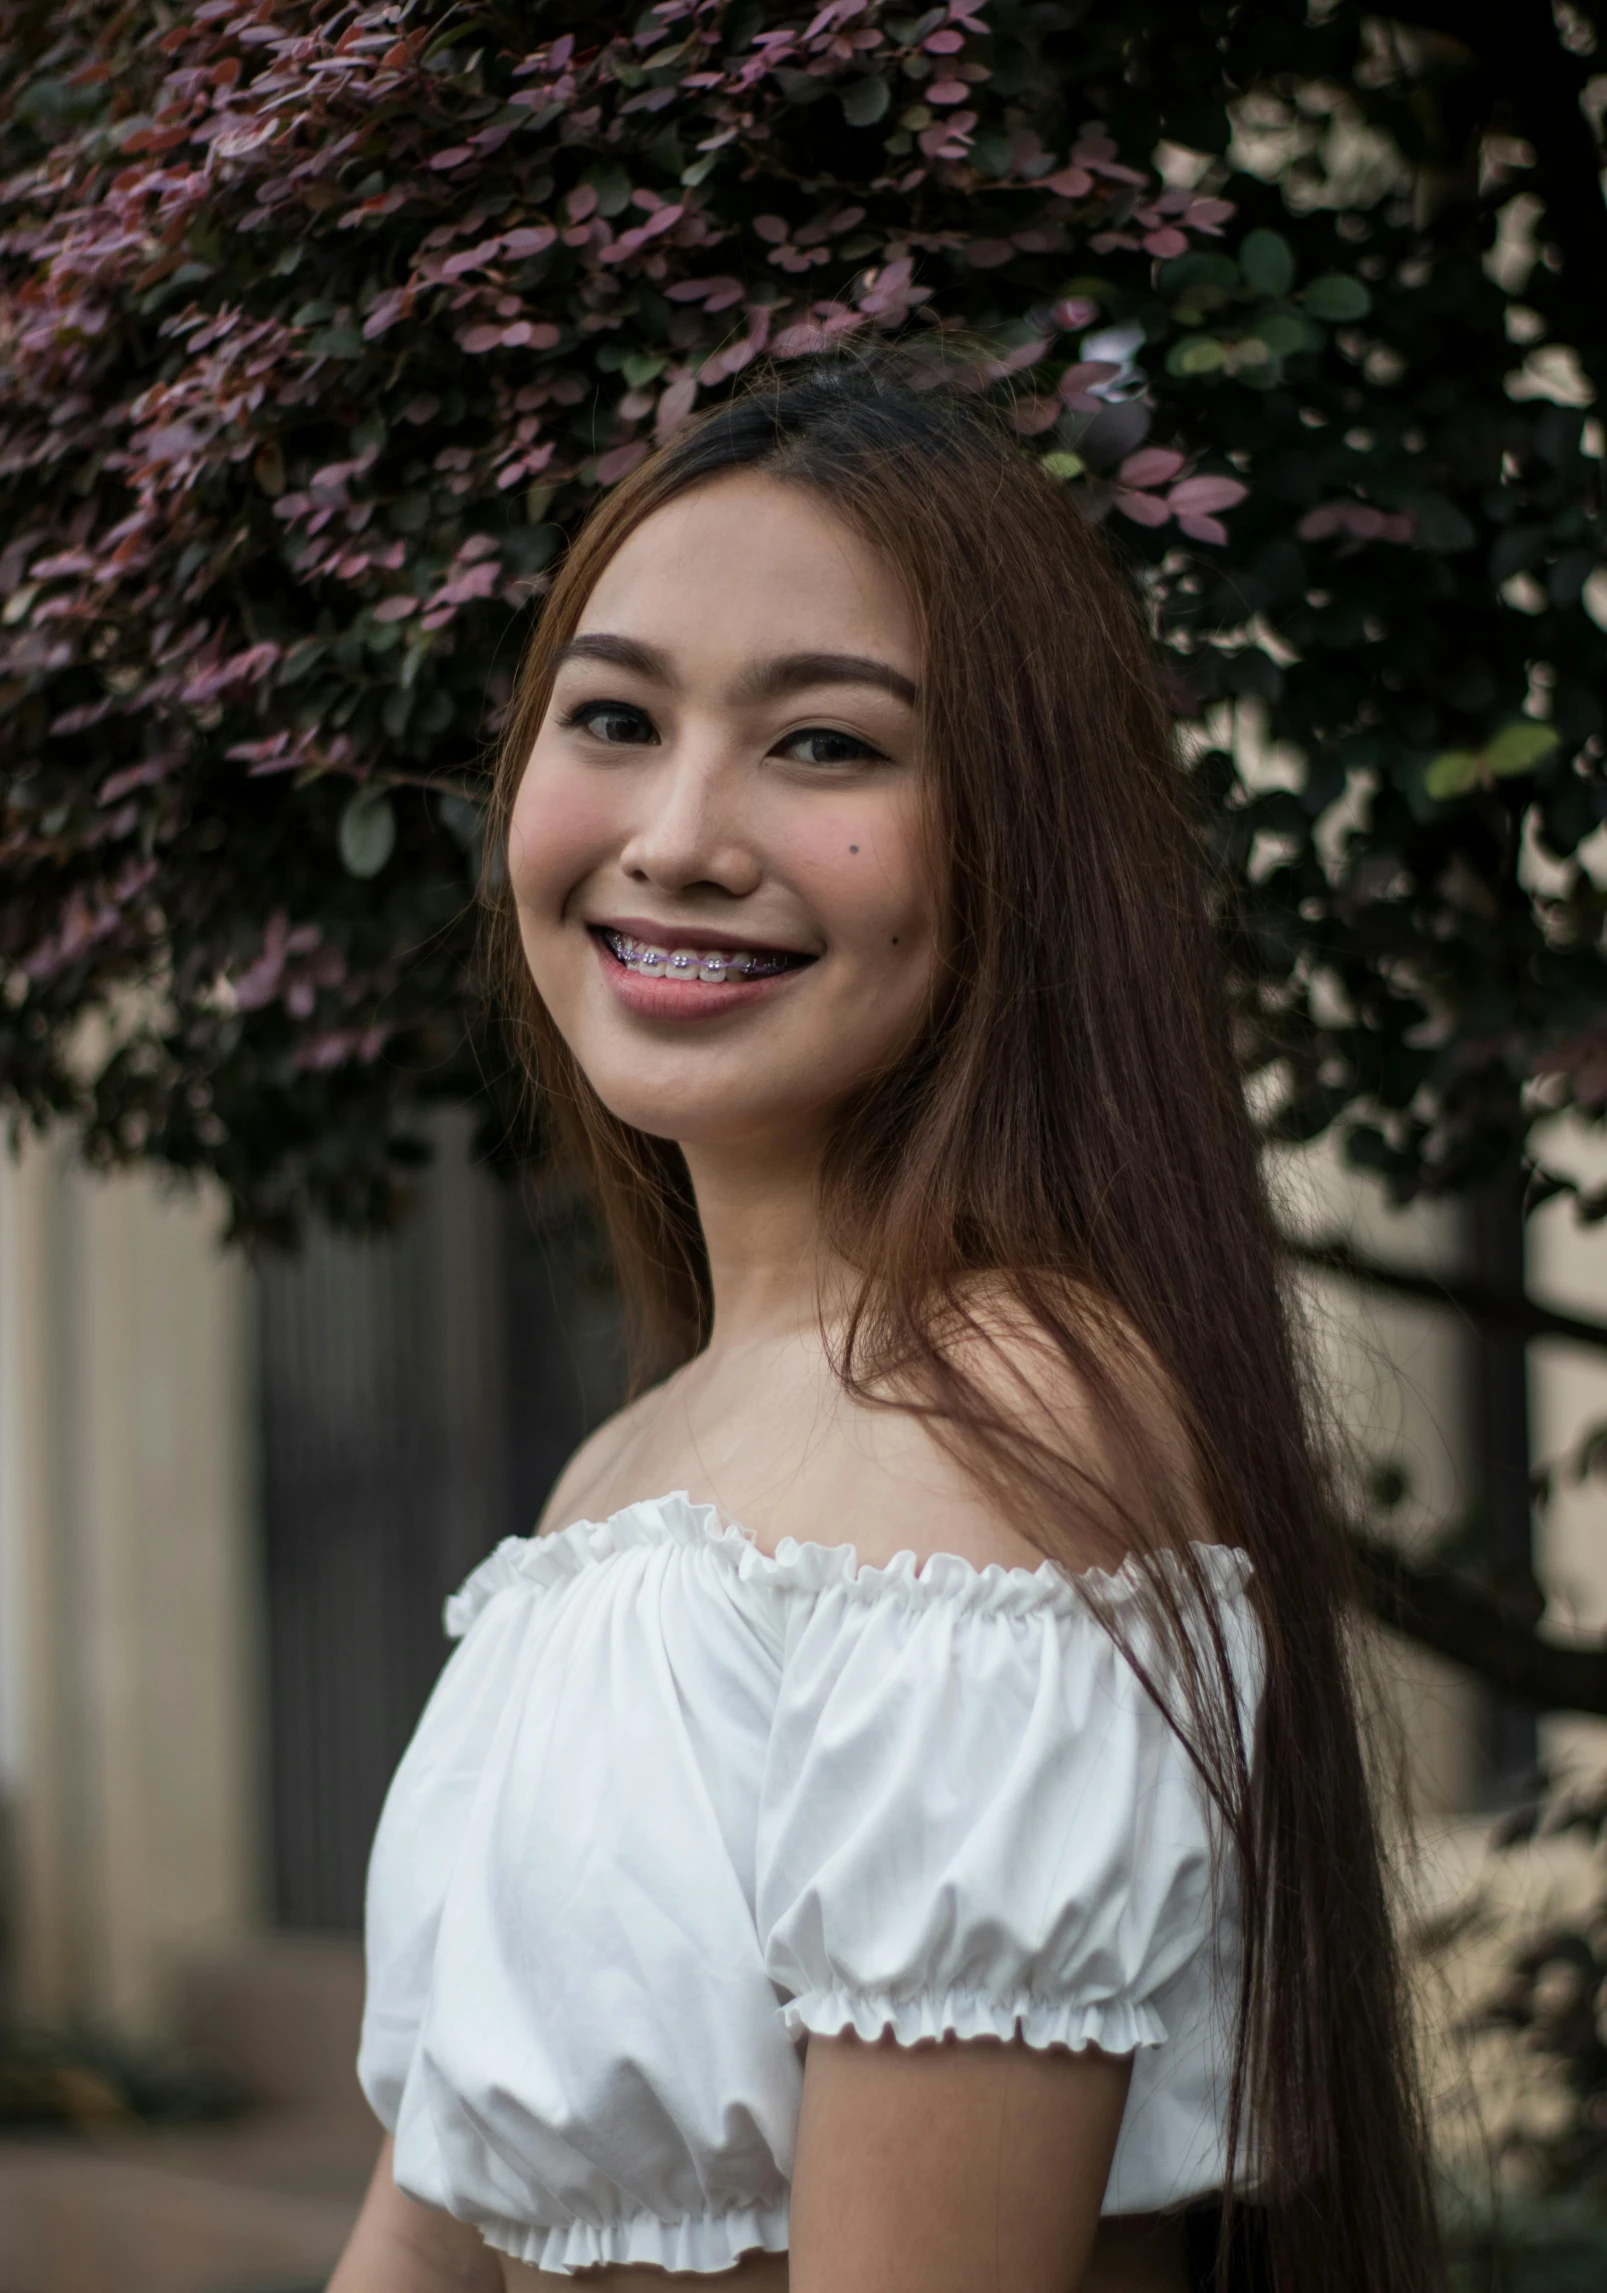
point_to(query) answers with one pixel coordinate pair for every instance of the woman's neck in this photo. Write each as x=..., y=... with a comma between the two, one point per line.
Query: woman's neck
x=768, y=1266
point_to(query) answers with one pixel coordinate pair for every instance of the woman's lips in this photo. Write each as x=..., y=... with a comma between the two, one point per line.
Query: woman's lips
x=650, y=994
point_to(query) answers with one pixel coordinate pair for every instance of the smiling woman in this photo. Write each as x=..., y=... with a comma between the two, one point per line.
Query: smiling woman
x=899, y=1826
x=708, y=824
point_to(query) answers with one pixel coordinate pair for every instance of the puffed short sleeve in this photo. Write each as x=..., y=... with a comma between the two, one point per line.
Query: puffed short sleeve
x=976, y=1821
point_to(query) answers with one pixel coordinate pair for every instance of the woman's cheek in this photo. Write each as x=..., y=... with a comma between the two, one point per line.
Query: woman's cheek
x=859, y=864
x=562, y=828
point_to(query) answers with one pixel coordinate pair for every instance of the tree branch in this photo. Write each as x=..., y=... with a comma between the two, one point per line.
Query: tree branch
x=1495, y=1309
x=1442, y=1610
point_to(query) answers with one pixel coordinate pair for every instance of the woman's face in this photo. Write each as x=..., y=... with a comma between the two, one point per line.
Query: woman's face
x=716, y=846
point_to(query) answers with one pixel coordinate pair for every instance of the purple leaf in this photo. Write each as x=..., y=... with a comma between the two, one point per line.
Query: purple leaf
x=1143, y=509
x=1195, y=495
x=1151, y=466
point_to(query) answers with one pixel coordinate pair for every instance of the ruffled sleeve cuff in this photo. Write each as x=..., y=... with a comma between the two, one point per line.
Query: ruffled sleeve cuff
x=1114, y=2025
x=704, y=2245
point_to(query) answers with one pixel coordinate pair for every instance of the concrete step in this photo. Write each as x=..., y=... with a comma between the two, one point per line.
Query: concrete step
x=92, y=2218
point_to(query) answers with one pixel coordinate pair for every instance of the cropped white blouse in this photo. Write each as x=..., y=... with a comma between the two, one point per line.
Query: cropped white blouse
x=677, y=1803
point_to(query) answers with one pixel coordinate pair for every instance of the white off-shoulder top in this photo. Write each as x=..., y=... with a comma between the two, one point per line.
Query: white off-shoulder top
x=677, y=1803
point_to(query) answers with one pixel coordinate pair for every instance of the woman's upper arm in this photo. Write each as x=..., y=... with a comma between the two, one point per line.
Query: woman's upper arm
x=952, y=2168
x=399, y=2246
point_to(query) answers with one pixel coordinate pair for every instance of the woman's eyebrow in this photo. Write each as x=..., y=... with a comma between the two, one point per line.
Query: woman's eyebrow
x=761, y=681
x=619, y=653
x=792, y=672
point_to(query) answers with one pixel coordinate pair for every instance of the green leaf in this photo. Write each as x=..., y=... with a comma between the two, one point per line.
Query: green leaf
x=1568, y=576
x=611, y=184
x=1196, y=354
x=639, y=366
x=1337, y=298
x=991, y=155
x=1268, y=262
x=1197, y=269
x=464, y=818
x=1516, y=748
x=530, y=547
x=367, y=835
x=1516, y=550
x=437, y=711
x=1440, y=525
x=866, y=101
x=1519, y=746
x=1285, y=332
x=1453, y=772
x=1064, y=465
x=444, y=42
x=337, y=342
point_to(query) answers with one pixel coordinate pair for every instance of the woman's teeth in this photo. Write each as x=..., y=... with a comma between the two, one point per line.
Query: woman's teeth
x=685, y=964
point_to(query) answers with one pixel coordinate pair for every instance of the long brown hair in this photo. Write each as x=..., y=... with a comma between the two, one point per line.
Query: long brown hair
x=1070, y=1134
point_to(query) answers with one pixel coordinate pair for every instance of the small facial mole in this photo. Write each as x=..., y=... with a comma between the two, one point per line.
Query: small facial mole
x=895, y=939
x=853, y=847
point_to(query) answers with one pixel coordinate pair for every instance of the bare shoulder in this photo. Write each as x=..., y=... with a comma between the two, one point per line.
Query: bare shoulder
x=1102, y=1406
x=589, y=1484
x=1022, y=1362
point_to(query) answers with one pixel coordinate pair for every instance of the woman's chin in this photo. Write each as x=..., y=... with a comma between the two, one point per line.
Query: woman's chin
x=719, y=1122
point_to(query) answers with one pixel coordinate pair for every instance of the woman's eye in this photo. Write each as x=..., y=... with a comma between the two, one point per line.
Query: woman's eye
x=819, y=745
x=615, y=722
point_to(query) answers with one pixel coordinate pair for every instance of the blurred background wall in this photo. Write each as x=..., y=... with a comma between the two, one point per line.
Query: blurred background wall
x=131, y=1752
x=232, y=1500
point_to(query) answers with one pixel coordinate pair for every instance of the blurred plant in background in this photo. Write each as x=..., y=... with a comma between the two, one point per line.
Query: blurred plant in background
x=322, y=327
x=86, y=2079
x=1525, y=2192
x=322, y=324
x=1555, y=1999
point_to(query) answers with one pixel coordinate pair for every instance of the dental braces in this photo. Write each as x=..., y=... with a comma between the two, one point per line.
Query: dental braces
x=687, y=964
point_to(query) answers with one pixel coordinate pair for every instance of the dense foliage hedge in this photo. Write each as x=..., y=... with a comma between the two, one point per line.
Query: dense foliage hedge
x=320, y=325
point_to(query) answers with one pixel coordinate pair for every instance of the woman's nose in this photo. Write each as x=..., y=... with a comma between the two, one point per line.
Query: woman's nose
x=689, y=830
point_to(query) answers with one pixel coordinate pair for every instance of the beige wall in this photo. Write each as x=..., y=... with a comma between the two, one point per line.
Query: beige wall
x=1568, y=1386
x=127, y=1607
x=1394, y=1372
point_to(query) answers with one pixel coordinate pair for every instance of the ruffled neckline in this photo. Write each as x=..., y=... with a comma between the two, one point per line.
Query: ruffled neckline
x=541, y=1563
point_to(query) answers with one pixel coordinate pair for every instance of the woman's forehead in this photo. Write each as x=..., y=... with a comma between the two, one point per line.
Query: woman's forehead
x=750, y=563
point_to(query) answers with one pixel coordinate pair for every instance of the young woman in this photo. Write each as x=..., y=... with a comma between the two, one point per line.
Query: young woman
x=899, y=1825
